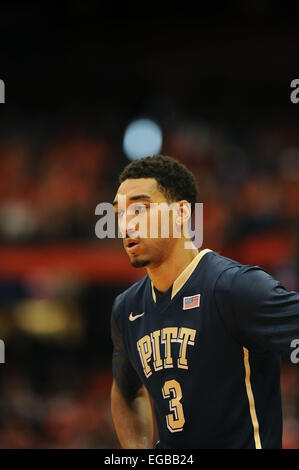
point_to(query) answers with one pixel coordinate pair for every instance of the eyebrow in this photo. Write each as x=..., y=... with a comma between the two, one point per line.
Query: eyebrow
x=135, y=198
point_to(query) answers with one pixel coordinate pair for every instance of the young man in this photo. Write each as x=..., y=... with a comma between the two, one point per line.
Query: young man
x=201, y=334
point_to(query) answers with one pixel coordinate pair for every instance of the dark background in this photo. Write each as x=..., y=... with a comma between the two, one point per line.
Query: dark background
x=216, y=78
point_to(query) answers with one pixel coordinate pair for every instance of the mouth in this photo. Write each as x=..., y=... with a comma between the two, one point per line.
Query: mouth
x=131, y=245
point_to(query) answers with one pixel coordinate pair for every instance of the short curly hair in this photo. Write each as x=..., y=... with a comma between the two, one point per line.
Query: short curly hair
x=174, y=180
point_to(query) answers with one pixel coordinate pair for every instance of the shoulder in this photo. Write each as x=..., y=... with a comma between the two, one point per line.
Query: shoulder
x=232, y=275
x=215, y=259
x=242, y=282
x=221, y=267
x=240, y=288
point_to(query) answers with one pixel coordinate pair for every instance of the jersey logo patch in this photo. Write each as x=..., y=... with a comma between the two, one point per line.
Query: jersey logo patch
x=134, y=317
x=192, y=301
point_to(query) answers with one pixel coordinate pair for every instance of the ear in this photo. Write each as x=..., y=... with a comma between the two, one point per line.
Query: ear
x=183, y=212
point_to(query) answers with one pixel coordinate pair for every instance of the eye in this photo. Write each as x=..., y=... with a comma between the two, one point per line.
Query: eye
x=120, y=213
x=137, y=209
x=140, y=209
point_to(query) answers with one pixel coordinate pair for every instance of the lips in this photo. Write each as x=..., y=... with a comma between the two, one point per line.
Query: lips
x=131, y=245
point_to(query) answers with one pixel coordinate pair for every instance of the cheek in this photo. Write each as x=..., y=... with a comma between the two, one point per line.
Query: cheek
x=165, y=226
x=155, y=247
x=159, y=224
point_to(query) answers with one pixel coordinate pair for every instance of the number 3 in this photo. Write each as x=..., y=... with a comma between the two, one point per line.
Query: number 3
x=175, y=420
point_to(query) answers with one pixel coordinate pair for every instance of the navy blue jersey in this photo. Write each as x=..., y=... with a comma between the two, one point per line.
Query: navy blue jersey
x=209, y=352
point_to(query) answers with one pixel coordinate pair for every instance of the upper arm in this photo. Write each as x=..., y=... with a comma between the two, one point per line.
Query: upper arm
x=124, y=373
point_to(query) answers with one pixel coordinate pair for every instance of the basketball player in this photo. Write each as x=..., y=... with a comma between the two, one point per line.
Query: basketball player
x=202, y=334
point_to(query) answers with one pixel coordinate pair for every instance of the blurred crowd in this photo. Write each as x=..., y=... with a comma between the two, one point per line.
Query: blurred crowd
x=248, y=182
x=73, y=417
x=59, y=183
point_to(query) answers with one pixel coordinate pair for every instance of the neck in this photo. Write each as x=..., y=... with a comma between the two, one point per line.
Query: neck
x=164, y=274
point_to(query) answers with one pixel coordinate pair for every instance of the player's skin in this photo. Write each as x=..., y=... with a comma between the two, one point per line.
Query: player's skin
x=133, y=419
x=164, y=260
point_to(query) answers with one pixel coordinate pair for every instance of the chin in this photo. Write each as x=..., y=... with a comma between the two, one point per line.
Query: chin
x=139, y=263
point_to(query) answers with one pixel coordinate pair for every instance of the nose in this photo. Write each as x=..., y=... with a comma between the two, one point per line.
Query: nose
x=127, y=227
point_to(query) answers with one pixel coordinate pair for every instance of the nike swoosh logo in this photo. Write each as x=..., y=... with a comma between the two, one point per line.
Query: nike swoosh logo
x=133, y=318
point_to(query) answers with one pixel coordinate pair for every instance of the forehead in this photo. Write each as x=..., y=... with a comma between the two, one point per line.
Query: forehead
x=141, y=186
